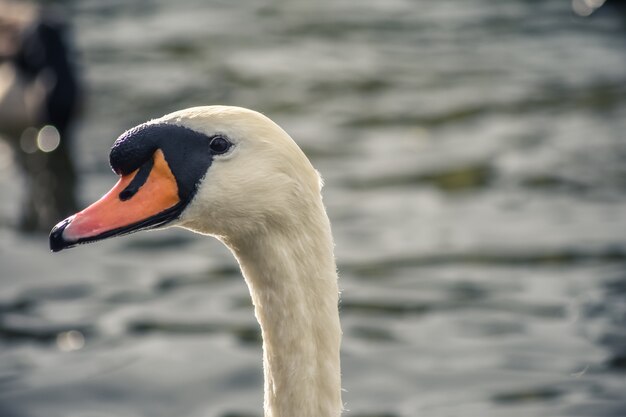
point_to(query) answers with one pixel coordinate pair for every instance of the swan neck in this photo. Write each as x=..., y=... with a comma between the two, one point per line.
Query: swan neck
x=291, y=274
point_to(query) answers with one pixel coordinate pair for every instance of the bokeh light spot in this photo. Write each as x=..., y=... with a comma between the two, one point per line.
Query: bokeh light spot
x=28, y=140
x=48, y=138
x=595, y=3
x=70, y=340
x=585, y=8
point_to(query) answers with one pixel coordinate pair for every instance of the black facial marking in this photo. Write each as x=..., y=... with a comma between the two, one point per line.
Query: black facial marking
x=140, y=179
x=187, y=152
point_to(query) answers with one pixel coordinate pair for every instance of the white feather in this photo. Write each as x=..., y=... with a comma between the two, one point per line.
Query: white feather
x=262, y=199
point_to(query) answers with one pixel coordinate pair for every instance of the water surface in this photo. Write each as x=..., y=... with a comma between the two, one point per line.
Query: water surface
x=474, y=160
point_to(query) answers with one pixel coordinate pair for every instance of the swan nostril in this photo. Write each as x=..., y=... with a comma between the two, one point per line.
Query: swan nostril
x=140, y=179
x=127, y=194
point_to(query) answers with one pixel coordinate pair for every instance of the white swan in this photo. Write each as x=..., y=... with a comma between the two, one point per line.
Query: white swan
x=234, y=174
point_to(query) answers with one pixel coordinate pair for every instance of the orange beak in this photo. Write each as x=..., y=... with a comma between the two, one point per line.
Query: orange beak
x=134, y=203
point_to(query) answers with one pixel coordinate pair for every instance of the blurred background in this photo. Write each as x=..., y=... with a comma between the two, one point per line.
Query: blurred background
x=475, y=165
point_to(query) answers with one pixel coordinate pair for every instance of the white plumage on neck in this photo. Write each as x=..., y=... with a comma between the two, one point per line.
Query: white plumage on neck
x=263, y=201
x=293, y=284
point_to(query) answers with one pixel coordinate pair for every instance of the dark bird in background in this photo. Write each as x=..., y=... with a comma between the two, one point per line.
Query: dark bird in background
x=39, y=98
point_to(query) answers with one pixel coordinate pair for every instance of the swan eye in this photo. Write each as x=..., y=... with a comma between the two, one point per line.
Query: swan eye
x=219, y=145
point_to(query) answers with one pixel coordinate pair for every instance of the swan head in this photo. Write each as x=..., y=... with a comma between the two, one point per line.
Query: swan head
x=224, y=171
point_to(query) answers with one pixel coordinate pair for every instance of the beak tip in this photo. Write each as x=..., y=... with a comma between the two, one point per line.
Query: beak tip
x=57, y=241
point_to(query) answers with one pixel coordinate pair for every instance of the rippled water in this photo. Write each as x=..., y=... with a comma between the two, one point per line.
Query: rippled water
x=475, y=172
